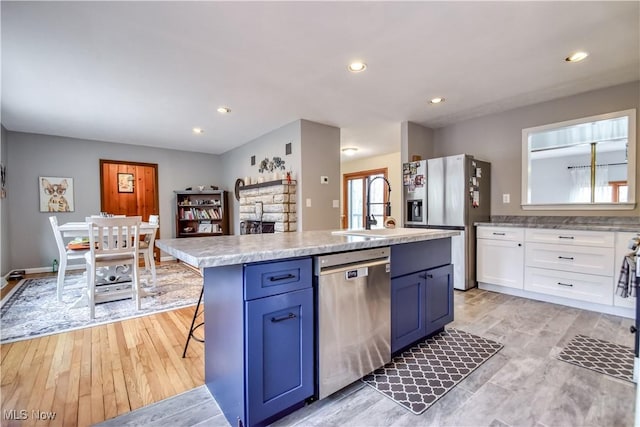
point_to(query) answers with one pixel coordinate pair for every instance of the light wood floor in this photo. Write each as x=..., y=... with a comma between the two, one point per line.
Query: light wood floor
x=90, y=375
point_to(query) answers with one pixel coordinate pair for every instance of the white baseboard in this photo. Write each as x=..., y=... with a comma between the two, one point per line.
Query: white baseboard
x=49, y=270
x=69, y=267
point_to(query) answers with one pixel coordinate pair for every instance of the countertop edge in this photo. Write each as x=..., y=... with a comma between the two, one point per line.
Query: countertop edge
x=336, y=244
x=591, y=227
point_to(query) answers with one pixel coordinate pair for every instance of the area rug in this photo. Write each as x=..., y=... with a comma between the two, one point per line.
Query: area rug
x=34, y=311
x=421, y=375
x=601, y=356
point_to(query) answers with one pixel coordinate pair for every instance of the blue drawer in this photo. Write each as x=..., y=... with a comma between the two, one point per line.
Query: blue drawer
x=272, y=278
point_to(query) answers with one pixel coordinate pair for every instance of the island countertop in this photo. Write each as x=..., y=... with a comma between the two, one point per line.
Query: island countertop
x=218, y=251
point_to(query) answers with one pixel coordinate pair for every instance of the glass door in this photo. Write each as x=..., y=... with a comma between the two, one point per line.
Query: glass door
x=355, y=196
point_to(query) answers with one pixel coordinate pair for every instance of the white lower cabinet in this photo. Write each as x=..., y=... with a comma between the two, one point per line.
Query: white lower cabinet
x=574, y=267
x=582, y=287
x=500, y=262
x=571, y=264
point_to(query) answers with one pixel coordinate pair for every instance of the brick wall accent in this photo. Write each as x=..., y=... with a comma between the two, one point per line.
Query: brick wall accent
x=278, y=204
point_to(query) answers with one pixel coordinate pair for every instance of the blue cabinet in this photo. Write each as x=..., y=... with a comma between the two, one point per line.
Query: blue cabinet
x=279, y=368
x=421, y=291
x=408, y=309
x=259, y=339
x=439, y=298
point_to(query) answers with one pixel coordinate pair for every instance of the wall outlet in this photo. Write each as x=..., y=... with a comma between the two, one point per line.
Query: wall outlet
x=308, y=203
x=506, y=198
x=324, y=180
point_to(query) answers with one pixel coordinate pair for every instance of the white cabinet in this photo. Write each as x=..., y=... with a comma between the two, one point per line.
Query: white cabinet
x=573, y=264
x=500, y=256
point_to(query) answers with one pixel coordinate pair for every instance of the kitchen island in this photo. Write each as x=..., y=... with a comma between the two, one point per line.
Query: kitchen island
x=260, y=308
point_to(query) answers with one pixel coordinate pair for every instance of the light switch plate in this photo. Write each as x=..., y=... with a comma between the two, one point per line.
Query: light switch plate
x=336, y=203
x=308, y=203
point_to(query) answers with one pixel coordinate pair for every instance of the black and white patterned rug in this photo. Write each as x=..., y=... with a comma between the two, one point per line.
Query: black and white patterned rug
x=601, y=356
x=33, y=310
x=421, y=375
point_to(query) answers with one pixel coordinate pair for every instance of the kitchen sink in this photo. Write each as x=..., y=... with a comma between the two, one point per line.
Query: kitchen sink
x=382, y=232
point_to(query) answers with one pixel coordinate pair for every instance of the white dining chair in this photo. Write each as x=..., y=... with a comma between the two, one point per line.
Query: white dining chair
x=65, y=254
x=147, y=246
x=113, y=242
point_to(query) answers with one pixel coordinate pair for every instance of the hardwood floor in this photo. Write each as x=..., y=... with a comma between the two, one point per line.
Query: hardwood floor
x=94, y=374
x=522, y=385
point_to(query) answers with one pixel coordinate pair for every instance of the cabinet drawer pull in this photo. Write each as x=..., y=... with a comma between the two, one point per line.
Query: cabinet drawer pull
x=284, y=277
x=570, y=258
x=499, y=234
x=280, y=319
x=565, y=284
x=426, y=276
x=566, y=237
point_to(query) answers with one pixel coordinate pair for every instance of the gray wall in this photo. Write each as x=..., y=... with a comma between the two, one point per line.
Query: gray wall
x=315, y=152
x=4, y=211
x=416, y=140
x=320, y=157
x=32, y=155
x=497, y=138
x=236, y=163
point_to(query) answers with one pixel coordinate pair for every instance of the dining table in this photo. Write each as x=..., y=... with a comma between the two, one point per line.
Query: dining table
x=111, y=279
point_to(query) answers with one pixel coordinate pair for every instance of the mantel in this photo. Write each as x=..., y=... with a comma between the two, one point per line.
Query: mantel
x=267, y=184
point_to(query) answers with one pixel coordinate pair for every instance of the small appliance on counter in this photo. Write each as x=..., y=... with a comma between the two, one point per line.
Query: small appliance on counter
x=450, y=192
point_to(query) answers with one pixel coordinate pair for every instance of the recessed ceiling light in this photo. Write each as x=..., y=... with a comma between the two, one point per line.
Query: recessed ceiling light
x=224, y=110
x=198, y=130
x=357, y=66
x=576, y=57
x=436, y=100
x=349, y=151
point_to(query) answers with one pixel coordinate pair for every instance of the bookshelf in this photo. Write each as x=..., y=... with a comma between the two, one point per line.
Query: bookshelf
x=201, y=213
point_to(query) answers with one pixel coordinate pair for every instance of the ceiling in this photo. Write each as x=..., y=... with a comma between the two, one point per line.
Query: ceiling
x=146, y=73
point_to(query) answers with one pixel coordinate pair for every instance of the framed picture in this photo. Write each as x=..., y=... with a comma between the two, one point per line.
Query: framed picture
x=125, y=182
x=205, y=228
x=56, y=194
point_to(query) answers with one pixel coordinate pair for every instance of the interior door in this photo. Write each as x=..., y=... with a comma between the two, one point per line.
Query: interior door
x=130, y=188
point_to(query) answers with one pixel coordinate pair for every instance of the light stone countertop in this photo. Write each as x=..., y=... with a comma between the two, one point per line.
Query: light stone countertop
x=218, y=251
x=557, y=226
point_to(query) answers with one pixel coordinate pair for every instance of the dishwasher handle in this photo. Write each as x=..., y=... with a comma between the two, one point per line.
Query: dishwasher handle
x=356, y=266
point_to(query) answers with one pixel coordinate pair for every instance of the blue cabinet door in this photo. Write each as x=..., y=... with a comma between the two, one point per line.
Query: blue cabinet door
x=408, y=306
x=439, y=297
x=279, y=353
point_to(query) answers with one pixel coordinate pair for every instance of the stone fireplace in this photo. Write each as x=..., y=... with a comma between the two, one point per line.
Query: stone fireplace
x=268, y=206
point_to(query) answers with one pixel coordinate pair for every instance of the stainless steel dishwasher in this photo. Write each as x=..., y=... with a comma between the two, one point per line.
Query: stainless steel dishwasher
x=353, y=316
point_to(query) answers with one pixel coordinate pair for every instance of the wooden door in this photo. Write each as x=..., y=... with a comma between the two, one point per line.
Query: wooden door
x=129, y=188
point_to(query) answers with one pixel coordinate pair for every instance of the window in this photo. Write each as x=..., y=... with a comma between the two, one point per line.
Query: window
x=579, y=164
x=355, y=196
x=619, y=191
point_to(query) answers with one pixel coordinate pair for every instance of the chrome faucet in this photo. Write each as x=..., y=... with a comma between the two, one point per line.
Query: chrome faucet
x=370, y=219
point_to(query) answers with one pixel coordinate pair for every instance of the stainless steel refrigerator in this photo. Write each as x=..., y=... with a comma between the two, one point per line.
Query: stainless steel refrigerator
x=450, y=192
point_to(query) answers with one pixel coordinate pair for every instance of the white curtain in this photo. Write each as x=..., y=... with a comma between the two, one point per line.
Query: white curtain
x=603, y=189
x=581, y=185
